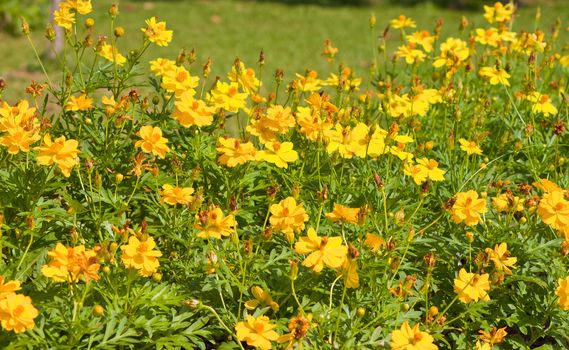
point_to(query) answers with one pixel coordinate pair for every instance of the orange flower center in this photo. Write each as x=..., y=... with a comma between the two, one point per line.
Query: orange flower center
x=19, y=310
x=143, y=247
x=259, y=327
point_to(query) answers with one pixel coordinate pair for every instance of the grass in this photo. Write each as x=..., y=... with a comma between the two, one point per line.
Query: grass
x=291, y=35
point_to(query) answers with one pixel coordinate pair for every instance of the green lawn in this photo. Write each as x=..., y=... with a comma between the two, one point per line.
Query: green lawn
x=291, y=35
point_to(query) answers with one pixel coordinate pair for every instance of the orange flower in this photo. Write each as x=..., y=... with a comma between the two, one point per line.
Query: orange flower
x=374, y=242
x=408, y=338
x=554, y=210
x=8, y=288
x=495, y=336
x=139, y=254
x=468, y=208
x=562, y=292
x=212, y=223
x=152, y=141
x=71, y=264
x=500, y=256
x=190, y=111
x=61, y=152
x=288, y=217
x=344, y=214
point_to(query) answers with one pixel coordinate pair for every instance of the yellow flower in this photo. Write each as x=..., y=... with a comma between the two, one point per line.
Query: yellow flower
x=64, y=18
x=156, y=32
x=227, y=96
x=468, y=208
x=278, y=153
x=235, y=152
x=402, y=22
x=176, y=195
x=418, y=172
x=298, y=328
x=410, y=53
x=422, y=38
x=499, y=12
x=178, y=80
x=257, y=332
x=349, y=272
x=17, y=313
x=309, y=82
x=82, y=7
x=161, y=66
x=190, y=111
x=489, y=36
x=471, y=286
x=112, y=54
x=482, y=346
x=18, y=139
x=60, y=151
x=288, y=217
x=141, y=256
x=507, y=202
x=547, y=186
x=71, y=264
x=495, y=76
x=408, y=338
x=277, y=120
x=245, y=77
x=432, y=168
x=152, y=141
x=453, y=51
x=324, y=251
x=554, y=210
x=470, y=147
x=8, y=288
x=500, y=256
x=374, y=242
x=542, y=104
x=311, y=124
x=344, y=214
x=562, y=292
x=262, y=297
x=79, y=103
x=212, y=223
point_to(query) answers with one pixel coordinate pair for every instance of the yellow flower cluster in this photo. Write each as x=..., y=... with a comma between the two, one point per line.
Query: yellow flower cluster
x=16, y=310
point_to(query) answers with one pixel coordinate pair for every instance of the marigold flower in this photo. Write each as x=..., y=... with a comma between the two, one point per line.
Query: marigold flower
x=190, y=111
x=262, y=297
x=212, y=223
x=79, y=103
x=408, y=338
x=152, y=141
x=324, y=251
x=140, y=255
x=235, y=152
x=60, y=151
x=471, y=286
x=257, y=332
x=402, y=22
x=17, y=313
x=344, y=214
x=500, y=256
x=176, y=195
x=468, y=208
x=288, y=217
x=112, y=54
x=562, y=292
x=156, y=32
x=470, y=147
x=71, y=264
x=278, y=153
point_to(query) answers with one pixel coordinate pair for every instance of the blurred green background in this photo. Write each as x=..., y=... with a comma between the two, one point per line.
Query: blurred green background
x=291, y=32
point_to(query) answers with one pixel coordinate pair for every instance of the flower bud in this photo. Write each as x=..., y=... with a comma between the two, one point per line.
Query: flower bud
x=89, y=22
x=98, y=310
x=25, y=26
x=119, y=32
x=113, y=10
